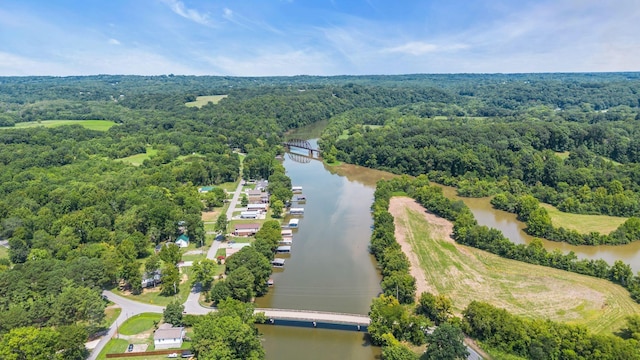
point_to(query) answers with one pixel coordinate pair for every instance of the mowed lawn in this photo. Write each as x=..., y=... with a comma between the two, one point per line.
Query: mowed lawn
x=138, y=159
x=139, y=323
x=204, y=100
x=583, y=224
x=100, y=125
x=465, y=274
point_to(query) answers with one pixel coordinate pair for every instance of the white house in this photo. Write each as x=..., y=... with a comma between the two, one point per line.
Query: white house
x=182, y=241
x=168, y=337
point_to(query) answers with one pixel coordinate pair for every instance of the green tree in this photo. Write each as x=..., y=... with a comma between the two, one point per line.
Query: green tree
x=172, y=314
x=276, y=208
x=220, y=291
x=78, y=304
x=170, y=280
x=437, y=308
x=244, y=200
x=152, y=264
x=400, y=284
x=171, y=254
x=226, y=335
x=30, y=343
x=446, y=343
x=204, y=271
x=222, y=223
x=387, y=317
x=241, y=284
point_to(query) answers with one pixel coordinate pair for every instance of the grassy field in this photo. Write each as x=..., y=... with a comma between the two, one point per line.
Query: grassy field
x=204, y=100
x=138, y=159
x=100, y=125
x=113, y=346
x=111, y=314
x=4, y=252
x=465, y=274
x=565, y=154
x=139, y=323
x=583, y=224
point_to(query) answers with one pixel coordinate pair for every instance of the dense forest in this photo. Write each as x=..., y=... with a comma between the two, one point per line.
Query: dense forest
x=77, y=218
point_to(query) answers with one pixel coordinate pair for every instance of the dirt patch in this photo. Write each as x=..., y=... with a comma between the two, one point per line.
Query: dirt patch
x=210, y=216
x=396, y=208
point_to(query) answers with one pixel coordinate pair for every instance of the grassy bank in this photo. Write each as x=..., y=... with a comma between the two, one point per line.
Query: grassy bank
x=465, y=274
x=583, y=224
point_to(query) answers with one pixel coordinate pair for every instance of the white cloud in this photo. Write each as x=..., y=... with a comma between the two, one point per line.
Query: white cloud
x=420, y=48
x=227, y=14
x=179, y=8
x=113, y=42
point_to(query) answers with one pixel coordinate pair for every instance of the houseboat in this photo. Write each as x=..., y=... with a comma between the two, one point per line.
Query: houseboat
x=296, y=211
x=277, y=262
x=293, y=223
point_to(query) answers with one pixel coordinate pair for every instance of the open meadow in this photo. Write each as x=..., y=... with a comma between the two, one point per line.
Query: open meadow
x=583, y=224
x=204, y=100
x=100, y=125
x=138, y=159
x=464, y=274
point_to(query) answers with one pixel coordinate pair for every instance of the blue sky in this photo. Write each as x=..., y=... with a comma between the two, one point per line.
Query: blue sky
x=316, y=37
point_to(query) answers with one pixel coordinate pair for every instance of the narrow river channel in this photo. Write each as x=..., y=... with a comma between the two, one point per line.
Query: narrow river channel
x=329, y=268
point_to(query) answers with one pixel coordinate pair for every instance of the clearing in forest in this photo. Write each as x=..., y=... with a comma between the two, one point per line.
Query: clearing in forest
x=138, y=159
x=583, y=224
x=204, y=100
x=463, y=273
x=100, y=125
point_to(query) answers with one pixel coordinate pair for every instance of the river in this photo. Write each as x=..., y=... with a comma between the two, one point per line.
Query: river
x=330, y=268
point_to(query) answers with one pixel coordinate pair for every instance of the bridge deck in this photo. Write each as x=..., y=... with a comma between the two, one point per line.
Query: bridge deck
x=320, y=316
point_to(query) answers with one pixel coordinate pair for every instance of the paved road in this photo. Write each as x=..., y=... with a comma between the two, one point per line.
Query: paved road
x=234, y=200
x=129, y=308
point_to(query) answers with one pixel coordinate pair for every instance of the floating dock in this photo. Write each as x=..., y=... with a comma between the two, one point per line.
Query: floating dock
x=296, y=211
x=293, y=223
x=277, y=262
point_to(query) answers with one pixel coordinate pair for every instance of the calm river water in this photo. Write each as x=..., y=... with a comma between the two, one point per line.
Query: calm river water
x=330, y=268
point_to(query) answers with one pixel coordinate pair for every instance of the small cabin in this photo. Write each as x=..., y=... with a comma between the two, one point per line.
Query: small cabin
x=249, y=215
x=246, y=229
x=277, y=262
x=296, y=211
x=294, y=223
x=284, y=249
x=257, y=207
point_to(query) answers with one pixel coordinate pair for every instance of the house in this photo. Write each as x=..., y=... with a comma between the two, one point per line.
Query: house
x=182, y=241
x=257, y=207
x=246, y=229
x=151, y=279
x=249, y=215
x=205, y=189
x=168, y=337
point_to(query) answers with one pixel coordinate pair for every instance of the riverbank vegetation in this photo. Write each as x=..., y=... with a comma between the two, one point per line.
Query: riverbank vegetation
x=525, y=338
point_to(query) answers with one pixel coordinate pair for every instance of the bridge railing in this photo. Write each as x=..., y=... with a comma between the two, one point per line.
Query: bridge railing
x=313, y=312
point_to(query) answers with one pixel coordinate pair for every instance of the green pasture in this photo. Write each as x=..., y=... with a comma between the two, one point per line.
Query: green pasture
x=138, y=159
x=100, y=125
x=583, y=224
x=204, y=100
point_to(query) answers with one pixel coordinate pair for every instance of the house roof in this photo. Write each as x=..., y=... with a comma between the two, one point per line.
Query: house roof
x=247, y=226
x=206, y=188
x=168, y=332
x=183, y=237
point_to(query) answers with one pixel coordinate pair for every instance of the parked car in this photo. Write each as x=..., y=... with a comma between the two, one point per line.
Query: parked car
x=130, y=348
x=187, y=354
x=172, y=355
